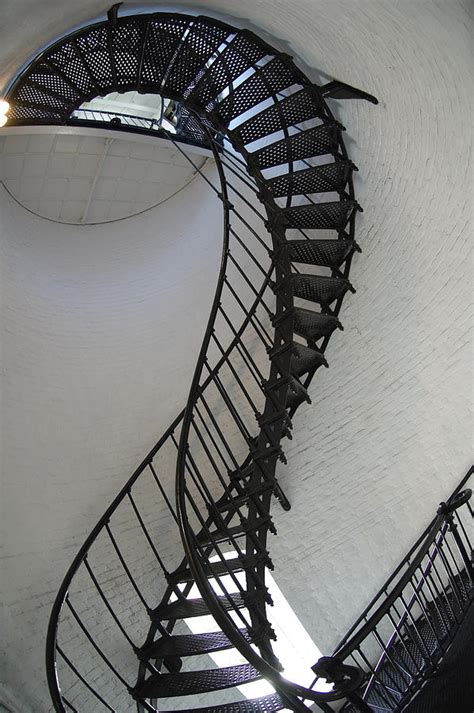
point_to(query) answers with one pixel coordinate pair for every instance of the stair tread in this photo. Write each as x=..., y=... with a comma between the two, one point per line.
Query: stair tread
x=203, y=38
x=325, y=253
x=190, y=644
x=317, y=141
x=297, y=394
x=319, y=288
x=305, y=359
x=314, y=325
x=332, y=215
x=289, y=111
x=219, y=535
x=274, y=76
x=187, y=683
x=235, y=564
x=194, y=607
x=324, y=178
x=264, y=704
x=233, y=61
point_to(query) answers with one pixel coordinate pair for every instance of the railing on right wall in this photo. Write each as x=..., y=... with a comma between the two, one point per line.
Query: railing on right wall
x=403, y=635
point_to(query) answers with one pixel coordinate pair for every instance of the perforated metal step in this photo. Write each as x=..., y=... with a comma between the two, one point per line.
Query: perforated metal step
x=275, y=76
x=320, y=289
x=214, y=569
x=325, y=253
x=317, y=179
x=305, y=359
x=290, y=111
x=319, y=216
x=194, y=607
x=297, y=394
x=314, y=325
x=265, y=704
x=189, y=645
x=307, y=144
x=186, y=683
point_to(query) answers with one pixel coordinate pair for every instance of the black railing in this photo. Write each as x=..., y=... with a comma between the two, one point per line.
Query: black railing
x=403, y=634
x=186, y=129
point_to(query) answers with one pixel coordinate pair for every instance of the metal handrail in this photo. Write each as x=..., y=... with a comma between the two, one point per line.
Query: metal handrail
x=352, y=640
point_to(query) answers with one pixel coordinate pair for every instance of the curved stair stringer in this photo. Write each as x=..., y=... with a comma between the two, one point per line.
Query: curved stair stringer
x=232, y=85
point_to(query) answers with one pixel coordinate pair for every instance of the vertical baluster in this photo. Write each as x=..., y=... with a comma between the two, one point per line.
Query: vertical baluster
x=95, y=693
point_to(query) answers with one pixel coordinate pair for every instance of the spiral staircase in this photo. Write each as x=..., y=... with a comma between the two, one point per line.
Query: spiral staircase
x=280, y=158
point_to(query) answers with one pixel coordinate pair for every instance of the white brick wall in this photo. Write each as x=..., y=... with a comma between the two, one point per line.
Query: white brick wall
x=94, y=316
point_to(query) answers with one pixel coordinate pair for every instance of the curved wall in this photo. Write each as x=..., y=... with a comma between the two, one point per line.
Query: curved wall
x=100, y=329
x=91, y=324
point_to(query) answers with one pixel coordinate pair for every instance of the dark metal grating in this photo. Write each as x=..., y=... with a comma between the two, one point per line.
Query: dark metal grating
x=305, y=359
x=183, y=609
x=190, y=644
x=320, y=289
x=316, y=179
x=331, y=216
x=186, y=683
x=239, y=55
x=127, y=38
x=273, y=77
x=325, y=253
x=318, y=141
x=297, y=394
x=290, y=111
x=202, y=40
x=163, y=39
x=265, y=704
x=51, y=81
x=94, y=48
x=68, y=60
x=314, y=325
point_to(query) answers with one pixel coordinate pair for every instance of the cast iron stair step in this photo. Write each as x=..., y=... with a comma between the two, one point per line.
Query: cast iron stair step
x=310, y=324
x=220, y=535
x=305, y=359
x=316, y=179
x=189, y=645
x=53, y=79
x=184, y=609
x=213, y=569
x=297, y=394
x=202, y=41
x=239, y=55
x=290, y=111
x=317, y=141
x=186, y=683
x=265, y=704
x=320, y=216
x=319, y=288
x=325, y=253
x=275, y=76
x=227, y=503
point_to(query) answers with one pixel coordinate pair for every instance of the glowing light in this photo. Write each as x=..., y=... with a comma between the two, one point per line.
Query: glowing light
x=3, y=120
x=4, y=107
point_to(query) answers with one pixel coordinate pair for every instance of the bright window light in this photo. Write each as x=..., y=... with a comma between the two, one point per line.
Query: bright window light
x=294, y=647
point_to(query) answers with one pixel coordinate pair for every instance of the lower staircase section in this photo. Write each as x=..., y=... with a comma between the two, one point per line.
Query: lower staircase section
x=421, y=609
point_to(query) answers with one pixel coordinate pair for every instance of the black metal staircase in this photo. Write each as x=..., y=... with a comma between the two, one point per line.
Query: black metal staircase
x=279, y=153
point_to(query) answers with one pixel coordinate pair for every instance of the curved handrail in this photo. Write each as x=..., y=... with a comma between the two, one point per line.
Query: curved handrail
x=351, y=640
x=290, y=692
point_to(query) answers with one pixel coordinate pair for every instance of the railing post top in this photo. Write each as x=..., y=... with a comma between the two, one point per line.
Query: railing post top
x=454, y=503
